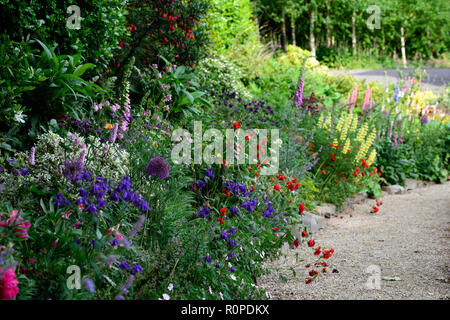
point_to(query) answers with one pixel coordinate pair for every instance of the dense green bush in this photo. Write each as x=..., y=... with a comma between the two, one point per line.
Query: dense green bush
x=103, y=25
x=175, y=30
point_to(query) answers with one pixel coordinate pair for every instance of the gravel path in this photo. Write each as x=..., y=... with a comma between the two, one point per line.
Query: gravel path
x=435, y=79
x=407, y=239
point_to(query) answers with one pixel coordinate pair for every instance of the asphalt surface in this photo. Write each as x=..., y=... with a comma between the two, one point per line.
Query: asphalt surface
x=435, y=79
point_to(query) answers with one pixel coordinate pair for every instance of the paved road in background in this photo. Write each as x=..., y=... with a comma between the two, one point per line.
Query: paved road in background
x=435, y=79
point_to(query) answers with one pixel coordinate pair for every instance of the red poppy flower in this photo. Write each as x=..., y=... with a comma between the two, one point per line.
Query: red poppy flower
x=220, y=220
x=303, y=234
x=375, y=209
x=323, y=171
x=276, y=187
x=309, y=280
x=324, y=270
x=252, y=188
x=317, y=252
x=275, y=229
x=313, y=272
x=301, y=208
x=223, y=212
x=326, y=254
x=237, y=125
x=296, y=243
x=311, y=243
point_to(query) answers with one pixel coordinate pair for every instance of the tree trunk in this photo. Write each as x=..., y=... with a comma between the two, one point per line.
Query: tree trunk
x=283, y=28
x=312, y=41
x=383, y=45
x=328, y=25
x=354, y=33
x=402, y=31
x=294, y=40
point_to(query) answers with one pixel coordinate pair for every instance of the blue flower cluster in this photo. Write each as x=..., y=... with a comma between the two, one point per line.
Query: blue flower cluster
x=250, y=205
x=93, y=197
x=133, y=270
x=61, y=200
x=225, y=235
x=204, y=212
x=124, y=192
x=268, y=213
x=201, y=183
x=239, y=190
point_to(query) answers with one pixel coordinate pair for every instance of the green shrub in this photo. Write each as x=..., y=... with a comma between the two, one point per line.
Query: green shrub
x=103, y=25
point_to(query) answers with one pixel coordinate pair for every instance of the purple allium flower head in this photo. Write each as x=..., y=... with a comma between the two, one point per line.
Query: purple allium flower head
x=72, y=169
x=158, y=167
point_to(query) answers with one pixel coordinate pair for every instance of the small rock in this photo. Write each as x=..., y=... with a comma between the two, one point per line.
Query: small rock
x=411, y=184
x=325, y=208
x=394, y=189
x=327, y=215
x=313, y=222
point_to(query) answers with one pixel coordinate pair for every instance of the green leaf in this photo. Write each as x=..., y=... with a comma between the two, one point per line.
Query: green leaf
x=392, y=279
x=80, y=70
x=43, y=206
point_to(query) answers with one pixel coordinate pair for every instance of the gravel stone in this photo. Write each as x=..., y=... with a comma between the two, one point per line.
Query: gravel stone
x=408, y=239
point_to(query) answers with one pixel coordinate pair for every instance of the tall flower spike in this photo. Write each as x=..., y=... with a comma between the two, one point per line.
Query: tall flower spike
x=31, y=157
x=113, y=135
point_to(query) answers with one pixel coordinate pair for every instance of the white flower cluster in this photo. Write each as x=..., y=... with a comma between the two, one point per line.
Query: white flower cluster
x=51, y=150
x=220, y=73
